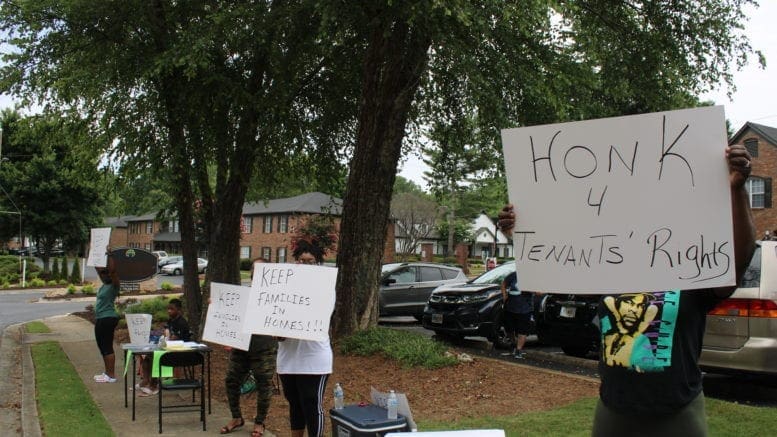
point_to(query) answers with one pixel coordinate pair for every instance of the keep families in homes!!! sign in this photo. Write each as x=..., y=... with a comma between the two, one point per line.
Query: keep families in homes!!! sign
x=284, y=300
x=625, y=204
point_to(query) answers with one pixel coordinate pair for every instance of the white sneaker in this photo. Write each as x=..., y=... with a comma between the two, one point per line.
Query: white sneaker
x=104, y=378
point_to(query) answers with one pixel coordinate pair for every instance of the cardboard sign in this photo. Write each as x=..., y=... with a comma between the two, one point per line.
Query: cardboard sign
x=139, y=327
x=626, y=204
x=291, y=300
x=224, y=321
x=98, y=246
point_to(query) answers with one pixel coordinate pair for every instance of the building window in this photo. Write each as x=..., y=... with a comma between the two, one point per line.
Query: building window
x=755, y=188
x=267, y=254
x=147, y=246
x=267, y=224
x=283, y=224
x=246, y=225
x=751, y=144
x=281, y=258
x=172, y=226
x=245, y=252
x=150, y=227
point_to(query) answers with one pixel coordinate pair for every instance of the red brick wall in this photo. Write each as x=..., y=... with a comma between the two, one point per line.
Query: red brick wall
x=118, y=237
x=256, y=239
x=764, y=165
x=137, y=235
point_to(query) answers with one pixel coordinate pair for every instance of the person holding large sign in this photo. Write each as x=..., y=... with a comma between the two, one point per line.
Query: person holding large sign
x=651, y=383
x=106, y=318
x=305, y=365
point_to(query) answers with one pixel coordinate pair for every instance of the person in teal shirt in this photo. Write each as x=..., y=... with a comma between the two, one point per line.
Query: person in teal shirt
x=106, y=318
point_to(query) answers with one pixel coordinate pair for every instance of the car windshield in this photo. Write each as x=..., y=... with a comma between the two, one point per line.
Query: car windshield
x=388, y=267
x=496, y=275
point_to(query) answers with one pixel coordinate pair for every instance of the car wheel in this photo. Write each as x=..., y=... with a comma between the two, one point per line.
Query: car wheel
x=177, y=272
x=576, y=350
x=500, y=337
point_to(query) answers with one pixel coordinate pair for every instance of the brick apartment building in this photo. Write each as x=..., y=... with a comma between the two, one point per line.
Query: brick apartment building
x=266, y=229
x=761, y=142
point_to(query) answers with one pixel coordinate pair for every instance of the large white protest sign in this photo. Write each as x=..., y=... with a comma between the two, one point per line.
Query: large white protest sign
x=291, y=300
x=224, y=321
x=139, y=327
x=638, y=203
x=98, y=246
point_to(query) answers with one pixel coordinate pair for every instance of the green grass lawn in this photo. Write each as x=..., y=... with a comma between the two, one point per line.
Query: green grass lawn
x=37, y=327
x=576, y=419
x=65, y=407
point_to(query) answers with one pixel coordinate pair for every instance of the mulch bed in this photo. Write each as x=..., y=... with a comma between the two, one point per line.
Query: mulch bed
x=484, y=387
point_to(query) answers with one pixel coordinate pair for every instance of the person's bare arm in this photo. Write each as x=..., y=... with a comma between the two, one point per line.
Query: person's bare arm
x=744, y=230
x=112, y=270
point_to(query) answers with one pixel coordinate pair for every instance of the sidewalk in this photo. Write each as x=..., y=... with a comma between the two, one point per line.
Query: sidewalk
x=18, y=410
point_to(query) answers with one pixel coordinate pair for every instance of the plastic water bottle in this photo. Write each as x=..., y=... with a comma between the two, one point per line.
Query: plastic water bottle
x=391, y=405
x=162, y=342
x=339, y=397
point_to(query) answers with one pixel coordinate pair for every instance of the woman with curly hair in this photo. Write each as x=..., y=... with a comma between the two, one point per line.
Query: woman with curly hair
x=305, y=365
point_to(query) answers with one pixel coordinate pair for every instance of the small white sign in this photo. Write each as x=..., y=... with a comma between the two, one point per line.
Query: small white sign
x=622, y=204
x=98, y=246
x=224, y=321
x=291, y=300
x=139, y=327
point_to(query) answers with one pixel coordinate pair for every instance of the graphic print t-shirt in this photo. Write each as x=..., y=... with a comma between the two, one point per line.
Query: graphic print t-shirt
x=650, y=345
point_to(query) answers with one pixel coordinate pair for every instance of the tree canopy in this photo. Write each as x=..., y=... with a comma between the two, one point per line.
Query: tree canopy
x=212, y=95
x=49, y=172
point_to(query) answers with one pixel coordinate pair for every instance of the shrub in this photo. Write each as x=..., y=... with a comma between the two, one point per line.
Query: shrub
x=51, y=283
x=409, y=349
x=245, y=264
x=37, y=282
x=166, y=286
x=55, y=269
x=157, y=307
x=71, y=289
x=6, y=284
x=88, y=289
x=75, y=275
x=62, y=282
x=63, y=271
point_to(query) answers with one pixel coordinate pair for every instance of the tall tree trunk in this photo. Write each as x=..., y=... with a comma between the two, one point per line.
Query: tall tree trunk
x=395, y=59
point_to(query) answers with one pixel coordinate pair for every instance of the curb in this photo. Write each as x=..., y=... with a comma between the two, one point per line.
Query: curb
x=30, y=422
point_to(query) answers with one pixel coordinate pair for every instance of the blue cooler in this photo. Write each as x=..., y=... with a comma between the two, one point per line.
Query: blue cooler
x=365, y=421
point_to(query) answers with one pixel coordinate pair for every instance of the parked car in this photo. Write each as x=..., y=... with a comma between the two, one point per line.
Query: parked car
x=741, y=333
x=570, y=322
x=160, y=254
x=473, y=308
x=169, y=260
x=405, y=287
x=177, y=267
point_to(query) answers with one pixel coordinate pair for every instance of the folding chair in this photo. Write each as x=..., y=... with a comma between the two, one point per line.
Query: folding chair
x=188, y=360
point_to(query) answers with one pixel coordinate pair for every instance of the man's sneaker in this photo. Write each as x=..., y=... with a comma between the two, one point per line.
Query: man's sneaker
x=519, y=355
x=103, y=378
x=507, y=354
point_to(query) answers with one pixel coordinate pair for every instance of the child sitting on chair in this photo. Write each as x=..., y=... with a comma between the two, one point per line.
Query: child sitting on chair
x=177, y=328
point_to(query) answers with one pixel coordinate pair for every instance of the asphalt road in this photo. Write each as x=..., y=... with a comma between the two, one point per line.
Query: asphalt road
x=24, y=306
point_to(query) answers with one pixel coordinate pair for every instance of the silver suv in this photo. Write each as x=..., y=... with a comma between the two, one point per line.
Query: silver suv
x=741, y=331
x=405, y=287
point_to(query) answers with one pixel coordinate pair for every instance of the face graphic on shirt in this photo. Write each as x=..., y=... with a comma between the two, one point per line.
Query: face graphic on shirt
x=637, y=330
